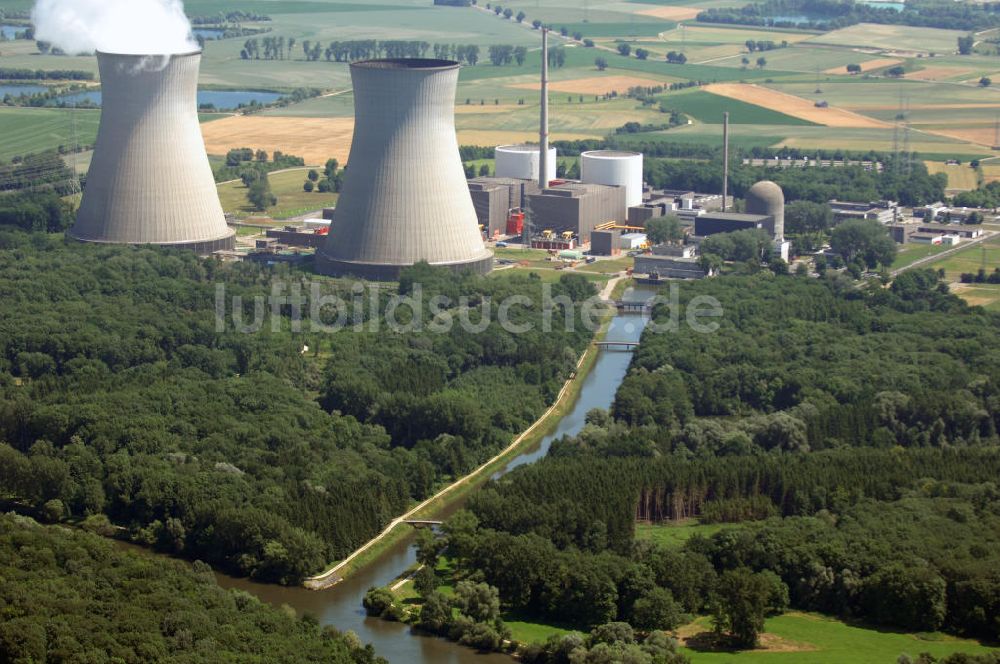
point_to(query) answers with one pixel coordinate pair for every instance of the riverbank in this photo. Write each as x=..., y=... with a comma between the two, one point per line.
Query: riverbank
x=458, y=490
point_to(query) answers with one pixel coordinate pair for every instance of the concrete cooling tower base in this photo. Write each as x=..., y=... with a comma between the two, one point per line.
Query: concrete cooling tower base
x=383, y=272
x=200, y=247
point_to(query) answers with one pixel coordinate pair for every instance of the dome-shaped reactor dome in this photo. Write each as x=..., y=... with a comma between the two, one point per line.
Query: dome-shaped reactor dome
x=767, y=198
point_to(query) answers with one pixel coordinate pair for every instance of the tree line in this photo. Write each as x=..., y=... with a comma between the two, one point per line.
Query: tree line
x=12, y=74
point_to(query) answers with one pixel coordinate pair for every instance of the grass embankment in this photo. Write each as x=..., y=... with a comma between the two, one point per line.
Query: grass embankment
x=457, y=491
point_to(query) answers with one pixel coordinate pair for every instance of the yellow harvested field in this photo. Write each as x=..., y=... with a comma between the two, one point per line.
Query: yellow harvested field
x=960, y=176
x=489, y=138
x=991, y=171
x=866, y=66
x=313, y=139
x=791, y=105
x=981, y=135
x=596, y=85
x=938, y=73
x=671, y=13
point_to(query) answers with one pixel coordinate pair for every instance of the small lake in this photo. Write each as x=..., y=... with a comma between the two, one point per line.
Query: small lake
x=208, y=33
x=221, y=99
x=16, y=90
x=880, y=4
x=10, y=31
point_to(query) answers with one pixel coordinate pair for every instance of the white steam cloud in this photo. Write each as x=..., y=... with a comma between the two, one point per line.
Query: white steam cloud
x=155, y=27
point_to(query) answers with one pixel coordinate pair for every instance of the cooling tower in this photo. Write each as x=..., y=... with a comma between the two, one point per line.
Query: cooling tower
x=405, y=197
x=767, y=198
x=150, y=181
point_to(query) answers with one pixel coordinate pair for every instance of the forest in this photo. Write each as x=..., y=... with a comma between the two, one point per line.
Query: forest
x=848, y=439
x=71, y=596
x=118, y=397
x=819, y=185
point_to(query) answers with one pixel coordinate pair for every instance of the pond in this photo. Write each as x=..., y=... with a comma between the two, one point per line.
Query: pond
x=16, y=90
x=10, y=31
x=208, y=34
x=221, y=99
x=881, y=4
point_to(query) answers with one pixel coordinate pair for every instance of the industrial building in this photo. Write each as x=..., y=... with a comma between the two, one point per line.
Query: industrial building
x=667, y=267
x=614, y=168
x=522, y=162
x=730, y=222
x=605, y=243
x=405, y=198
x=150, y=181
x=577, y=207
x=884, y=212
x=495, y=197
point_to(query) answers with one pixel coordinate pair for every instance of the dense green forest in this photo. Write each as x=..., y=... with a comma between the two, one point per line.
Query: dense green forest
x=70, y=596
x=119, y=397
x=850, y=437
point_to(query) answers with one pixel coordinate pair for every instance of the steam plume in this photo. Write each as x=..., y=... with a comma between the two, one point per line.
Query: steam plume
x=155, y=27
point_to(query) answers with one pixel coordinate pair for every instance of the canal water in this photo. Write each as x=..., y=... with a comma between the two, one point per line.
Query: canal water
x=340, y=606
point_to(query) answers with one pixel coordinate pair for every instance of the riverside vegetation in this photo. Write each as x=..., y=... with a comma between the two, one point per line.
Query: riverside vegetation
x=848, y=437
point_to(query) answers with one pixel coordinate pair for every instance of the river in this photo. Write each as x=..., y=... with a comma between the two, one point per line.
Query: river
x=340, y=605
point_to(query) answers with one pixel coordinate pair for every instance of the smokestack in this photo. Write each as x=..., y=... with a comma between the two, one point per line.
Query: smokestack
x=543, y=137
x=725, y=160
x=150, y=181
x=405, y=197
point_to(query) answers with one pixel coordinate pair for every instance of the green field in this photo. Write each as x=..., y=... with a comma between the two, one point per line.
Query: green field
x=27, y=130
x=969, y=260
x=287, y=186
x=808, y=638
x=675, y=534
x=707, y=107
x=911, y=253
x=869, y=35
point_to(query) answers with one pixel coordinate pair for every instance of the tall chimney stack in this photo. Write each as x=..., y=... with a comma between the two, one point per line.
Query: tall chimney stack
x=543, y=137
x=725, y=160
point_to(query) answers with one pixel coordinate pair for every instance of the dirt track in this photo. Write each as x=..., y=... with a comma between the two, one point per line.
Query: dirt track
x=794, y=106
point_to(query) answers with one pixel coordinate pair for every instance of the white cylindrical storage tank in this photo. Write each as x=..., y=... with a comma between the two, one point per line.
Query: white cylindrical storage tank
x=614, y=167
x=521, y=161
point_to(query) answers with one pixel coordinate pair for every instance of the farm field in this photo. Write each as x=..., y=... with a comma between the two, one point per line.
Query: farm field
x=27, y=130
x=960, y=176
x=287, y=186
x=313, y=139
x=986, y=255
x=708, y=107
x=794, y=106
x=811, y=638
x=893, y=38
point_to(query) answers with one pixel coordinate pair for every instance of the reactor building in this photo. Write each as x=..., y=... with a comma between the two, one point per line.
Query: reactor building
x=150, y=181
x=405, y=198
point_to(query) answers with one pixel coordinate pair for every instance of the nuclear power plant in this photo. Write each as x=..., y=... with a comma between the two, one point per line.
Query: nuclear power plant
x=150, y=181
x=405, y=197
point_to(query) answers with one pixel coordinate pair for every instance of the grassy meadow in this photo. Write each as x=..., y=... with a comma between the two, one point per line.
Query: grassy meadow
x=287, y=186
